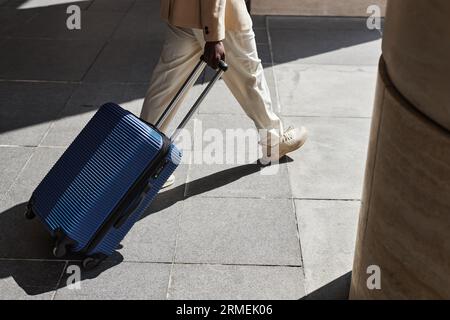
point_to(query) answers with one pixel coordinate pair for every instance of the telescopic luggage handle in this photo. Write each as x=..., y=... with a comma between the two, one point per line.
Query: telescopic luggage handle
x=195, y=74
x=119, y=221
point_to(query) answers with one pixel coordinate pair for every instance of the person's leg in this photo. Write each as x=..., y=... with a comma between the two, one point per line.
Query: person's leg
x=180, y=53
x=245, y=79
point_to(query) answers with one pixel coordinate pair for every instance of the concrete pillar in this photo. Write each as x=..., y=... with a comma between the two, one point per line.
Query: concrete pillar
x=404, y=225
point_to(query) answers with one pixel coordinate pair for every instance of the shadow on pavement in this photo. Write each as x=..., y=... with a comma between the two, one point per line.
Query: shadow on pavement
x=166, y=199
x=119, y=43
x=337, y=289
x=26, y=254
x=310, y=37
x=26, y=247
x=48, y=72
x=96, y=60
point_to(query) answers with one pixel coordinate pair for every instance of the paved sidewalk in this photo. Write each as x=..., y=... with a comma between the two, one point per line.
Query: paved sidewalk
x=223, y=231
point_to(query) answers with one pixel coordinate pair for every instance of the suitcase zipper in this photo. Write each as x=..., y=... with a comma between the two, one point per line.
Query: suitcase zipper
x=117, y=216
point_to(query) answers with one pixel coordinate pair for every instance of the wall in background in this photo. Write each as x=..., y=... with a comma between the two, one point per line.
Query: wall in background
x=356, y=8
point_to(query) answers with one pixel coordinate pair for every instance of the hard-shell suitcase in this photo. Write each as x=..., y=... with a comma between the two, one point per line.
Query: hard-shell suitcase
x=108, y=176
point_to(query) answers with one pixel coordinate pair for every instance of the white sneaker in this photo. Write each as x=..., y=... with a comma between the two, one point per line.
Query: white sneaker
x=291, y=140
x=169, y=181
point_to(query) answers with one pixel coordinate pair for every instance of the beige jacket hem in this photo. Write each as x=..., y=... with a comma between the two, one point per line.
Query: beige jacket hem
x=214, y=17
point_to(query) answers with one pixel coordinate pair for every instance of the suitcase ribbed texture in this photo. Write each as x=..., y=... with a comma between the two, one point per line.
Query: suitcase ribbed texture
x=114, y=236
x=99, y=167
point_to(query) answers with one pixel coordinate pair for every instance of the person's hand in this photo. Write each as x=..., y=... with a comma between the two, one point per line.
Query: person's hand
x=214, y=52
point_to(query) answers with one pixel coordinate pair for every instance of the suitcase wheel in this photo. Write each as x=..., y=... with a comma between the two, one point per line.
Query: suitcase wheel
x=29, y=214
x=59, y=250
x=62, y=243
x=92, y=261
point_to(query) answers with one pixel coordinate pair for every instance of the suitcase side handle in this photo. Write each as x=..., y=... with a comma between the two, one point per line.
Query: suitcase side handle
x=193, y=76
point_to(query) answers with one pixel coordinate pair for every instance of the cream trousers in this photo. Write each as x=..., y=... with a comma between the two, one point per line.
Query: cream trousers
x=245, y=77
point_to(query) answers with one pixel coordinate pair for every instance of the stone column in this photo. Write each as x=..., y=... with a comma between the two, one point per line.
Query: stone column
x=404, y=224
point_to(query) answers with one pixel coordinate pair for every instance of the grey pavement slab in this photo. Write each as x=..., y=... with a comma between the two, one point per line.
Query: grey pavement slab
x=124, y=281
x=328, y=235
x=238, y=231
x=146, y=5
x=324, y=46
x=28, y=109
x=85, y=102
x=139, y=25
x=153, y=238
x=217, y=282
x=29, y=279
x=238, y=181
x=318, y=23
x=133, y=97
x=93, y=95
x=64, y=60
x=111, y=5
x=223, y=163
x=261, y=35
x=125, y=61
x=28, y=135
x=331, y=163
x=259, y=21
x=11, y=291
x=12, y=160
x=81, y=107
x=21, y=238
x=51, y=24
x=342, y=91
x=64, y=130
x=10, y=19
x=264, y=52
x=37, y=167
x=152, y=8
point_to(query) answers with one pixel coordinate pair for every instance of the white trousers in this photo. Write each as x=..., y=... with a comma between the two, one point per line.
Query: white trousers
x=245, y=77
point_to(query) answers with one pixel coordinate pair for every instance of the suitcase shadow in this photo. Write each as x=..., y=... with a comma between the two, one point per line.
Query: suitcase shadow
x=171, y=196
x=26, y=257
x=26, y=247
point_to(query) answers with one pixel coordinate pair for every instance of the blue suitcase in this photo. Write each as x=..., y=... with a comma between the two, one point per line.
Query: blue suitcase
x=107, y=178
